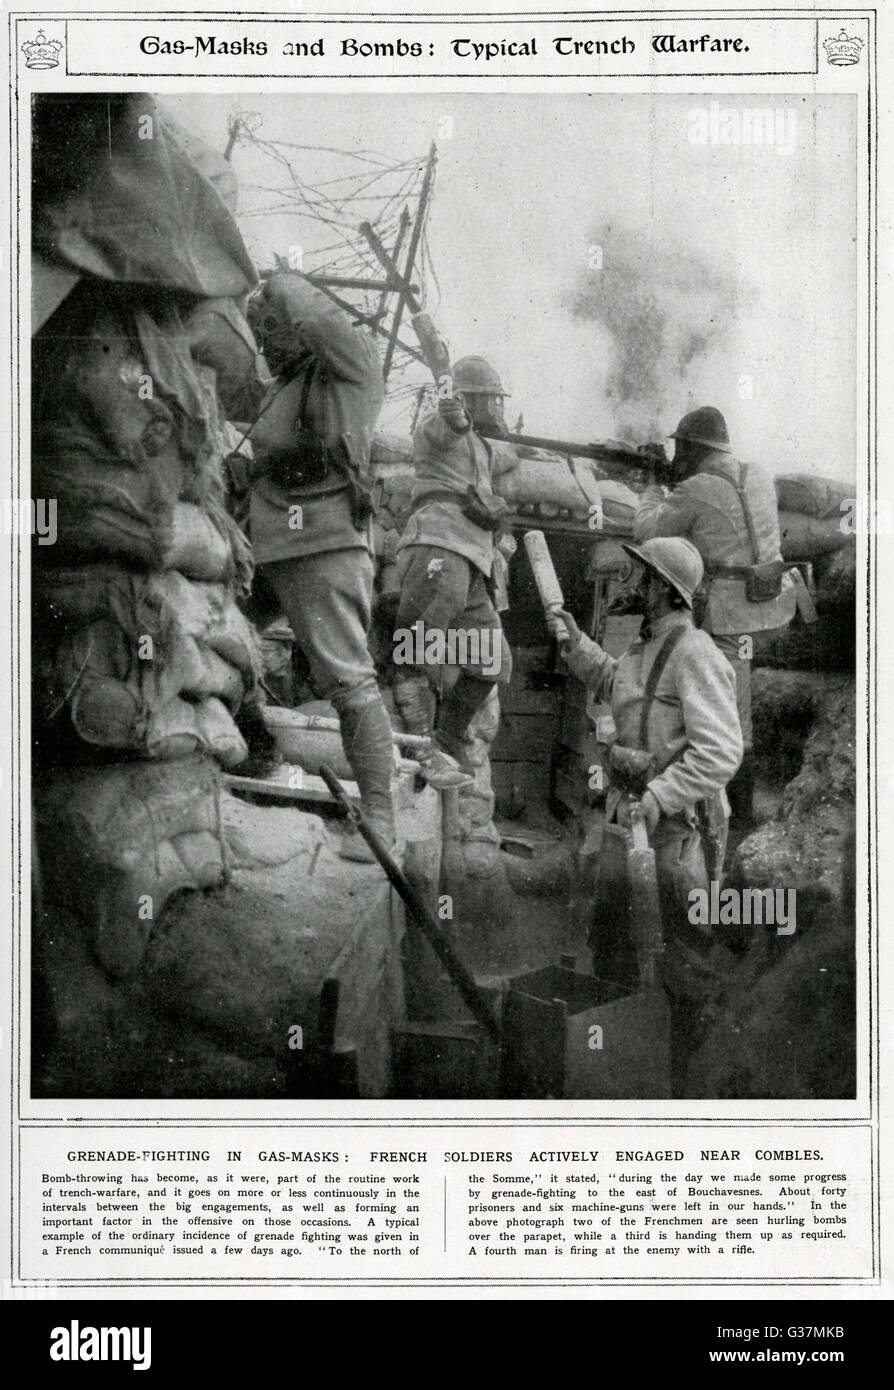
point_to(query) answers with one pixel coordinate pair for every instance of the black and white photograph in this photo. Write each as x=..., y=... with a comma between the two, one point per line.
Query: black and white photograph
x=443, y=744
x=444, y=595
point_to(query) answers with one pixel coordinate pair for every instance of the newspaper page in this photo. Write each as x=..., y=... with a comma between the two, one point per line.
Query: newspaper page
x=446, y=596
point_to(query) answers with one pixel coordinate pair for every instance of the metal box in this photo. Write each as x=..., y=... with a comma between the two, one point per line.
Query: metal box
x=578, y=1037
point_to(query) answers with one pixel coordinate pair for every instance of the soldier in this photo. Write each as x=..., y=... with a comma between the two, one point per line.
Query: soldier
x=310, y=515
x=729, y=512
x=673, y=702
x=446, y=558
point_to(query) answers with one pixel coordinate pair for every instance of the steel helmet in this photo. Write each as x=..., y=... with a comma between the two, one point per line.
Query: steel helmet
x=674, y=560
x=476, y=374
x=704, y=426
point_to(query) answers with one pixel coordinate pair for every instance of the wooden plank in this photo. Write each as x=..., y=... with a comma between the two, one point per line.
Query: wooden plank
x=312, y=788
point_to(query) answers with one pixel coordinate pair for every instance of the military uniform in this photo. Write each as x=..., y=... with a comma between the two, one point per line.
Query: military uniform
x=706, y=509
x=693, y=735
x=446, y=560
x=313, y=540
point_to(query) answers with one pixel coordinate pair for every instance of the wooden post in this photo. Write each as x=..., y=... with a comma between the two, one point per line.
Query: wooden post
x=420, y=399
x=369, y=322
x=395, y=257
x=415, y=239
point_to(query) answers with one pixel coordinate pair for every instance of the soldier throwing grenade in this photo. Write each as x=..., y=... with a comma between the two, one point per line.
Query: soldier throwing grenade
x=446, y=558
x=310, y=515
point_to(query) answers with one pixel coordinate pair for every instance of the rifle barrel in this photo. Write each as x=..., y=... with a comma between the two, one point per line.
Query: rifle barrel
x=600, y=453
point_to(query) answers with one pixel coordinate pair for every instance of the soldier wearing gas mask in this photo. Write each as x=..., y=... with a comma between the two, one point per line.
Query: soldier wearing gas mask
x=729, y=512
x=310, y=515
x=677, y=743
x=447, y=555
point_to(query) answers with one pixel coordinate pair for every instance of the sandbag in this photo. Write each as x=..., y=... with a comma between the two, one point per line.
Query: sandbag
x=114, y=696
x=182, y=726
x=193, y=544
x=114, y=204
x=546, y=479
x=134, y=834
x=550, y=482
x=208, y=613
x=103, y=392
x=175, y=613
x=107, y=713
x=811, y=495
x=803, y=537
x=124, y=417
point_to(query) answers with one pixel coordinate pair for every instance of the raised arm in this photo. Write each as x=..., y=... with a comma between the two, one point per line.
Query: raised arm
x=317, y=326
x=658, y=515
x=587, y=660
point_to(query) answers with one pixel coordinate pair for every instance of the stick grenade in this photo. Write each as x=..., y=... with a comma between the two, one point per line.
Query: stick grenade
x=645, y=903
x=547, y=581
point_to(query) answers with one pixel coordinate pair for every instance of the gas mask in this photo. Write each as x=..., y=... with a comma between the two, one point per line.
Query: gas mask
x=486, y=413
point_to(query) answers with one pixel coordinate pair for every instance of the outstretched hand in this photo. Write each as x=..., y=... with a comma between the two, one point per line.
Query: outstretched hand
x=574, y=633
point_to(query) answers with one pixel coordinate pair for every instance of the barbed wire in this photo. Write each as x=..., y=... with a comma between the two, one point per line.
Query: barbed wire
x=381, y=192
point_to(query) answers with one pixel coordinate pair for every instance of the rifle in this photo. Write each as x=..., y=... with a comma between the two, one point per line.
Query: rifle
x=472, y=995
x=437, y=357
x=611, y=451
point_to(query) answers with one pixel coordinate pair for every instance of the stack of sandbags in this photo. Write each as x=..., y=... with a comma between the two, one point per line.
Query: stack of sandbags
x=151, y=664
x=117, y=842
x=816, y=515
x=142, y=647
x=553, y=487
x=142, y=656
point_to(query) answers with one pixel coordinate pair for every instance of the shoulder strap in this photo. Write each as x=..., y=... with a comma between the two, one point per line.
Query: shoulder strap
x=746, y=510
x=662, y=658
x=306, y=384
x=480, y=482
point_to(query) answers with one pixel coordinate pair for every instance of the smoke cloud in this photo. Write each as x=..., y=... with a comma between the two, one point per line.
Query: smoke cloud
x=664, y=313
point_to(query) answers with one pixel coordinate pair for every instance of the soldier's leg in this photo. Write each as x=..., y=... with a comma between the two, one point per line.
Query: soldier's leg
x=434, y=587
x=741, y=789
x=487, y=663
x=692, y=974
x=611, y=931
x=327, y=599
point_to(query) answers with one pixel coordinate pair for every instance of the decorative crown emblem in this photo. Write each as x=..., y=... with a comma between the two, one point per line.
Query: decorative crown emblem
x=41, y=52
x=843, y=51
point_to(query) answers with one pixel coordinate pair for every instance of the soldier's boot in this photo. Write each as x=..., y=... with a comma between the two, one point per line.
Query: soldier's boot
x=264, y=756
x=456, y=713
x=413, y=700
x=366, y=738
x=740, y=793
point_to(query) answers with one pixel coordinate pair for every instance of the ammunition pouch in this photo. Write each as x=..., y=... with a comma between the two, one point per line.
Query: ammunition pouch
x=302, y=465
x=763, y=579
x=486, y=512
x=762, y=582
x=305, y=461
